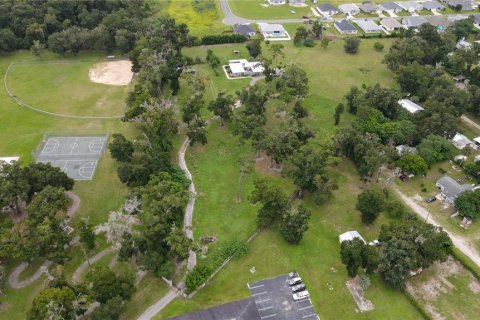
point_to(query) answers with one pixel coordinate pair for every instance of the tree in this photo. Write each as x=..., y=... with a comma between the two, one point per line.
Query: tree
x=370, y=203
x=254, y=48
x=462, y=28
x=468, y=204
x=396, y=262
x=53, y=303
x=120, y=148
x=300, y=35
x=213, y=60
x=179, y=243
x=14, y=186
x=299, y=111
x=414, y=79
x=383, y=99
x=413, y=163
x=87, y=236
x=193, y=106
x=7, y=40
x=106, y=285
x=317, y=29
x=274, y=202
x=111, y=310
x=197, y=131
x=294, y=223
x=253, y=99
x=352, y=43
x=370, y=259
x=350, y=253
x=378, y=46
x=37, y=48
x=293, y=82
x=222, y=107
x=276, y=50
x=338, y=111
x=354, y=99
x=325, y=42
x=434, y=149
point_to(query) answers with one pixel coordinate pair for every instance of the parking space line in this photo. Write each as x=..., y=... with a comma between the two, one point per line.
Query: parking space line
x=313, y=314
x=261, y=285
x=305, y=308
x=272, y=315
x=256, y=294
x=265, y=308
x=260, y=301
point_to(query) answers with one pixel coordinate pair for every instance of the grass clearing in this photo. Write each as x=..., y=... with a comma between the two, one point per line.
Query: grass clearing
x=259, y=9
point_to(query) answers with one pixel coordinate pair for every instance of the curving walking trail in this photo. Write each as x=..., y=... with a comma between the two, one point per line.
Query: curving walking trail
x=13, y=281
x=461, y=243
x=85, y=264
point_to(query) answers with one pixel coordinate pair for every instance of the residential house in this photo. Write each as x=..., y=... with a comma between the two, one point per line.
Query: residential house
x=297, y=3
x=476, y=18
x=410, y=6
x=464, y=5
x=345, y=27
x=414, y=21
x=404, y=149
x=327, y=9
x=349, y=9
x=410, y=106
x=477, y=141
x=433, y=5
x=390, y=7
x=244, y=29
x=244, y=68
x=369, y=26
x=370, y=7
x=439, y=22
x=350, y=235
x=460, y=141
x=276, y=2
x=272, y=31
x=450, y=189
x=390, y=24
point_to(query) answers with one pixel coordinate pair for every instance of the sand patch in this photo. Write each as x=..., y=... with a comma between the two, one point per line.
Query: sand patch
x=114, y=73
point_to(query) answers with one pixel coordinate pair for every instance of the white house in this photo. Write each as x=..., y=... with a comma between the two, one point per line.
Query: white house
x=390, y=7
x=350, y=235
x=410, y=6
x=276, y=2
x=410, y=106
x=244, y=68
x=369, y=26
x=465, y=45
x=404, y=149
x=460, y=141
x=349, y=9
x=272, y=31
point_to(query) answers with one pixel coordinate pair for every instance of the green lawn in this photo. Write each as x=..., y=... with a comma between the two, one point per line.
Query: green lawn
x=256, y=9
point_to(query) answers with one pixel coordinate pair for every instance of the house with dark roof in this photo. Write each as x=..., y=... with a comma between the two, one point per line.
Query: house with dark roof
x=465, y=5
x=244, y=29
x=327, y=9
x=450, y=189
x=414, y=21
x=370, y=7
x=433, y=5
x=390, y=7
x=345, y=27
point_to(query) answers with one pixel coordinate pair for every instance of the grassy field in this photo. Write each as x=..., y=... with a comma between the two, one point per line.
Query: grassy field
x=255, y=9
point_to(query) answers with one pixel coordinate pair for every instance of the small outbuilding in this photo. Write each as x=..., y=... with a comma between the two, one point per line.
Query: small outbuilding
x=350, y=235
x=410, y=106
x=345, y=27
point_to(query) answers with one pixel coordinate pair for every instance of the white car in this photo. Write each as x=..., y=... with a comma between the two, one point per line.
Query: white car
x=301, y=295
x=294, y=281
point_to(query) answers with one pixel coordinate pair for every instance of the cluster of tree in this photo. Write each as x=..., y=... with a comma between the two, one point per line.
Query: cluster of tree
x=306, y=37
x=409, y=246
x=38, y=192
x=356, y=254
x=370, y=203
x=468, y=204
x=63, y=300
x=69, y=26
x=213, y=61
x=191, y=112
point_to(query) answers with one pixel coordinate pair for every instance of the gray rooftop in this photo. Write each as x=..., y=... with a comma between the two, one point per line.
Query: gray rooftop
x=390, y=6
x=466, y=5
x=451, y=188
x=327, y=7
x=414, y=21
x=344, y=25
x=433, y=5
x=244, y=29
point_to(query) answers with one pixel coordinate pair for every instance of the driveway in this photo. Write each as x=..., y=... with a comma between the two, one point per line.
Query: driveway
x=469, y=121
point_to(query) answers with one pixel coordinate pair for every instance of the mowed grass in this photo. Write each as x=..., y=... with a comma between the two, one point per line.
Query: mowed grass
x=259, y=9
x=70, y=90
x=23, y=129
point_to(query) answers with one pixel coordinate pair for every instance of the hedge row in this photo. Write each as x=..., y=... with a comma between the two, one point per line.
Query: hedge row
x=223, y=38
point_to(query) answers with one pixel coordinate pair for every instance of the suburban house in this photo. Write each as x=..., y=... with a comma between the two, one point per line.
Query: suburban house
x=391, y=24
x=390, y=7
x=464, y=45
x=272, y=31
x=369, y=26
x=345, y=27
x=298, y=3
x=404, y=149
x=439, y=22
x=450, y=189
x=410, y=106
x=244, y=68
x=370, y=7
x=276, y=2
x=460, y=141
x=350, y=235
x=433, y=6
x=244, y=29
x=466, y=5
x=414, y=21
x=476, y=22
x=349, y=9
x=477, y=141
x=327, y=9
x=410, y=6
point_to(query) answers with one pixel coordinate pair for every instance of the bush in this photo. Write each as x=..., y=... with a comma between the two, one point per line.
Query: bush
x=199, y=275
x=351, y=44
x=309, y=43
x=378, y=46
x=223, y=38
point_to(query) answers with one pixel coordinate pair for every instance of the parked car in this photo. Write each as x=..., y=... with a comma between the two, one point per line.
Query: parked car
x=294, y=281
x=431, y=199
x=298, y=288
x=293, y=274
x=301, y=295
x=403, y=177
x=305, y=17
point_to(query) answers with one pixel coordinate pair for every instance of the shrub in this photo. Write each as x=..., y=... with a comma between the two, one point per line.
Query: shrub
x=309, y=43
x=351, y=44
x=378, y=46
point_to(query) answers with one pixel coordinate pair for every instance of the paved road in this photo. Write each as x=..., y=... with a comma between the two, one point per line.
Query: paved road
x=159, y=305
x=461, y=243
x=469, y=121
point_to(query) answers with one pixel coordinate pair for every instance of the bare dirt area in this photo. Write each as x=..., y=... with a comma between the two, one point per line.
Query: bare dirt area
x=114, y=73
x=357, y=292
x=447, y=290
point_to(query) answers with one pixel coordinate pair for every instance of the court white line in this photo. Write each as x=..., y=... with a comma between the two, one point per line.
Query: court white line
x=272, y=315
x=74, y=145
x=256, y=294
x=313, y=314
x=305, y=308
x=265, y=308
x=261, y=285
x=260, y=301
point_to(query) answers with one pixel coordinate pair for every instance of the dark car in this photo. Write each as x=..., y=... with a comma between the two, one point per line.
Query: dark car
x=298, y=288
x=305, y=17
x=430, y=200
x=403, y=177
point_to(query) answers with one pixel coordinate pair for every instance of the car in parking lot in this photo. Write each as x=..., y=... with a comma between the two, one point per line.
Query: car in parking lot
x=293, y=274
x=301, y=295
x=431, y=199
x=294, y=281
x=298, y=288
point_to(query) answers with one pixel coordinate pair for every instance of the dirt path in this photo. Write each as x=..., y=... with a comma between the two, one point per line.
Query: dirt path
x=159, y=305
x=85, y=264
x=13, y=281
x=461, y=243
x=469, y=121
x=75, y=204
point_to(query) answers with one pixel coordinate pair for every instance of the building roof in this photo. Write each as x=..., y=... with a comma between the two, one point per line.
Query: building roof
x=390, y=23
x=432, y=5
x=461, y=140
x=387, y=6
x=404, y=149
x=270, y=27
x=477, y=18
x=369, y=7
x=350, y=235
x=451, y=188
x=414, y=21
x=327, y=7
x=457, y=17
x=477, y=139
x=409, y=5
x=462, y=44
x=466, y=5
x=9, y=160
x=345, y=25
x=245, y=29
x=348, y=7
x=239, y=66
x=368, y=25
x=239, y=310
x=410, y=106
x=439, y=21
